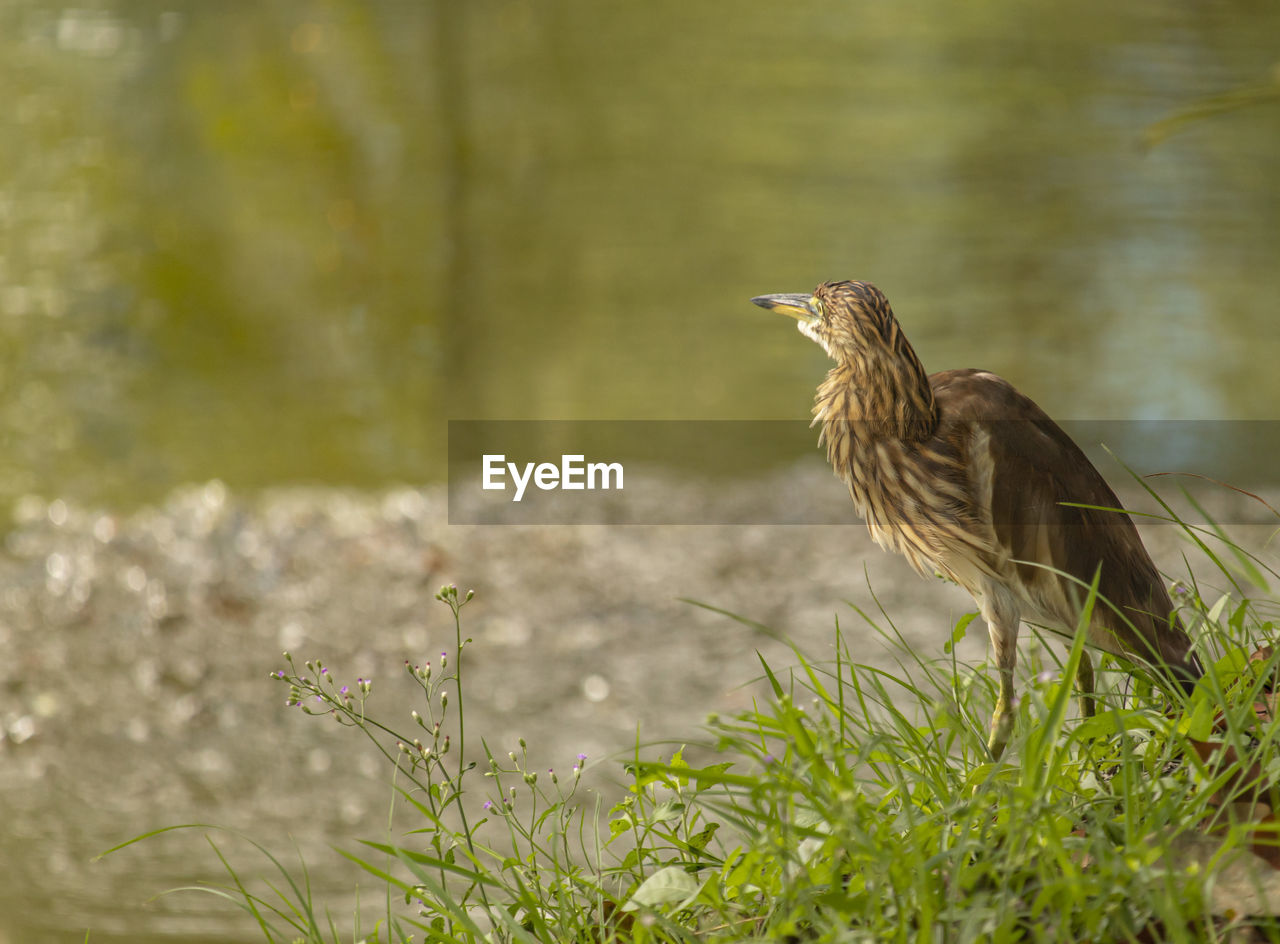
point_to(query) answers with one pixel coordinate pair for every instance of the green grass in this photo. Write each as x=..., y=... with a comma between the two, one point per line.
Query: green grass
x=852, y=804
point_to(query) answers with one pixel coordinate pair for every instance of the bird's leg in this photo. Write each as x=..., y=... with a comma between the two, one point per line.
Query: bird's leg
x=1002, y=619
x=1084, y=682
x=1002, y=717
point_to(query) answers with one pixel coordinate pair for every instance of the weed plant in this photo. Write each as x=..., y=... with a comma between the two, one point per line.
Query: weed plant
x=854, y=803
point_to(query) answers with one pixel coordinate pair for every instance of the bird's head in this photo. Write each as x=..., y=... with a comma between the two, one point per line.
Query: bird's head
x=851, y=320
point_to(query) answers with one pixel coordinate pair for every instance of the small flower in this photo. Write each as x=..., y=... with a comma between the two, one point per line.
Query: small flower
x=581, y=758
x=488, y=806
x=444, y=660
x=554, y=778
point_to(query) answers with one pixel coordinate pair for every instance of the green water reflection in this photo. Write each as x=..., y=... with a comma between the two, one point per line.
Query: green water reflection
x=284, y=241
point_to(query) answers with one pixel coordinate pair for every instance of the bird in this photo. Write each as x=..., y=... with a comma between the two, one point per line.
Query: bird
x=968, y=478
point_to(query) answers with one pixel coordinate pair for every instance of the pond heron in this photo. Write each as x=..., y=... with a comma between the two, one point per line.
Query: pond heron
x=966, y=477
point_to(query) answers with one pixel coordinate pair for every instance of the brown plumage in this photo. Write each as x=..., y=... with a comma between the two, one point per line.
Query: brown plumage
x=964, y=475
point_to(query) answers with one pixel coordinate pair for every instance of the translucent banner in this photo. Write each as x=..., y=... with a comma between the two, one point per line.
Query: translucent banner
x=773, y=472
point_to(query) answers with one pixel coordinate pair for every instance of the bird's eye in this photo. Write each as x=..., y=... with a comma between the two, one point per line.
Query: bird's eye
x=816, y=304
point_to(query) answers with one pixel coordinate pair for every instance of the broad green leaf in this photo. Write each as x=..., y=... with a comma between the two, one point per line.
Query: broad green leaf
x=1215, y=611
x=664, y=887
x=960, y=631
x=699, y=840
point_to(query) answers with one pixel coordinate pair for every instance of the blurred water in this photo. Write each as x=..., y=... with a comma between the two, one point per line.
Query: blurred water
x=286, y=242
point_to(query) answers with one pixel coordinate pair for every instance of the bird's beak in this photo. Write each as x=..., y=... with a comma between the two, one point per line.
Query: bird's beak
x=799, y=307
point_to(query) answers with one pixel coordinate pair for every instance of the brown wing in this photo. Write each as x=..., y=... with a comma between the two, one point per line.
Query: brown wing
x=1032, y=468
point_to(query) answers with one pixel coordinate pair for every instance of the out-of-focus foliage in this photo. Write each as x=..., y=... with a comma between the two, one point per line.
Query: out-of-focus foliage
x=1234, y=99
